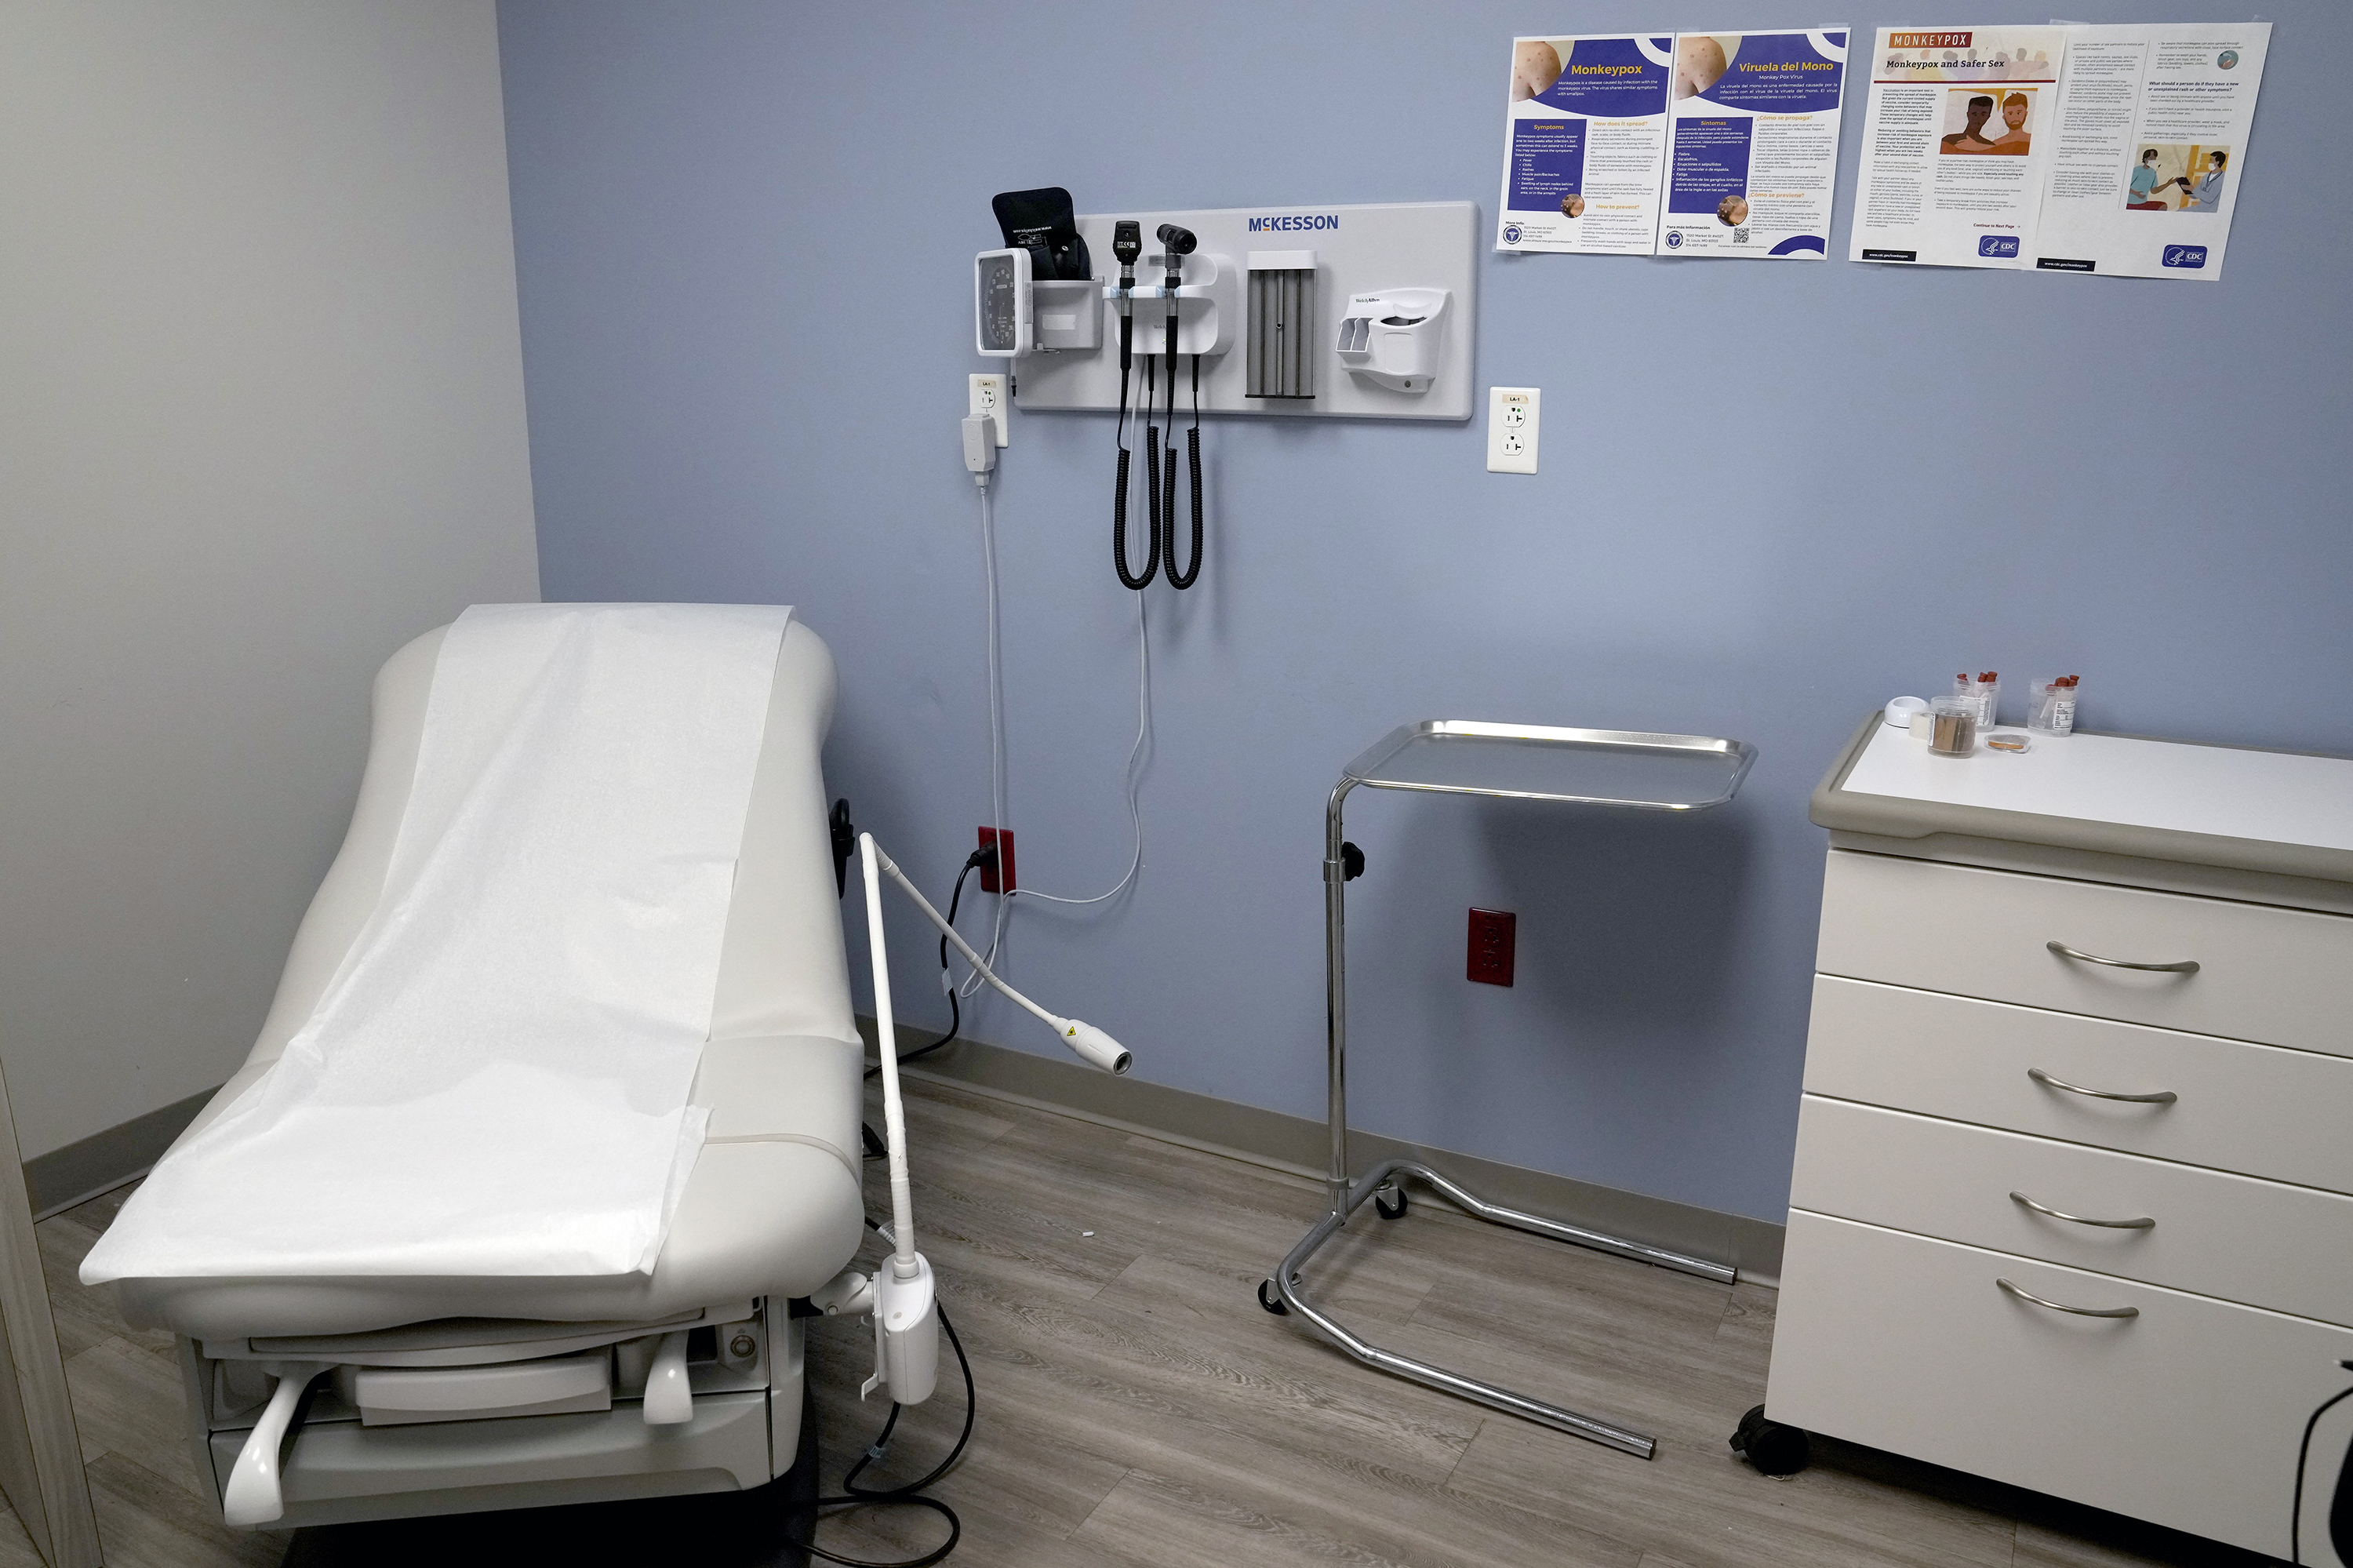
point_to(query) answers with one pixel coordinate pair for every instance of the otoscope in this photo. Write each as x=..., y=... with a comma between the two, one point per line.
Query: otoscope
x=1127, y=244
x=1162, y=482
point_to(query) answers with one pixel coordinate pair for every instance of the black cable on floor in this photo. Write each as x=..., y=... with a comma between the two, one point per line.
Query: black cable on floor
x=855, y=1496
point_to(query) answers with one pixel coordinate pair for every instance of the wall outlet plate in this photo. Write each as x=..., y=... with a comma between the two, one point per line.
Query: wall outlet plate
x=1512, y=428
x=986, y=393
x=998, y=878
x=1494, y=937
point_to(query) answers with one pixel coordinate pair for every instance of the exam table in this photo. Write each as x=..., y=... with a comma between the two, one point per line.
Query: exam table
x=387, y=1396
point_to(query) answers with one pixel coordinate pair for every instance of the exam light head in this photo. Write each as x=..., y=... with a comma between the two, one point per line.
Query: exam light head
x=1095, y=1046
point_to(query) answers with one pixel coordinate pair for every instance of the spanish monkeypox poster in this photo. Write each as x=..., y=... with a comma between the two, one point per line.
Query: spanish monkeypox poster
x=1752, y=154
x=1956, y=143
x=1585, y=147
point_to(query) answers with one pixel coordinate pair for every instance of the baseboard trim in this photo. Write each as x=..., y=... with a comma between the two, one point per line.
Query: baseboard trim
x=104, y=1160
x=1297, y=1145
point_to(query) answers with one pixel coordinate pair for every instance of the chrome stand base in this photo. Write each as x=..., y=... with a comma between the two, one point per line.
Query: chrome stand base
x=1383, y=1178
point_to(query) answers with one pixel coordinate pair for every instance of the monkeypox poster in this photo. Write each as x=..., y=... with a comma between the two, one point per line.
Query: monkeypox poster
x=2108, y=150
x=2154, y=122
x=1956, y=145
x=1752, y=156
x=1586, y=146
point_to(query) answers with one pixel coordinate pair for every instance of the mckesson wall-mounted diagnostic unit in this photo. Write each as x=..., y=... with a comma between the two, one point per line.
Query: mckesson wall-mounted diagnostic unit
x=1406, y=271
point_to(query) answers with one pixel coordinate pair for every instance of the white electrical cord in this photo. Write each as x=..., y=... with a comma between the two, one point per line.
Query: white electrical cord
x=996, y=781
x=972, y=982
x=1134, y=754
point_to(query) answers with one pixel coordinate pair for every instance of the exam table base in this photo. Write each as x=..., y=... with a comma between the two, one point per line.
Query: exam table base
x=1383, y=1177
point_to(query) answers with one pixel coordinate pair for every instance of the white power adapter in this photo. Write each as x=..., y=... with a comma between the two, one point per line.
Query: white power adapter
x=980, y=446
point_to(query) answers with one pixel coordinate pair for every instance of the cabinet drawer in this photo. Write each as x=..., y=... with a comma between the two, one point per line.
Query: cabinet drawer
x=2261, y=1242
x=2274, y=975
x=2257, y=1109
x=2190, y=1415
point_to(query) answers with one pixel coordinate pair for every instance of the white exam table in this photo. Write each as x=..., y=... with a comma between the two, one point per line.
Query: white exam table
x=441, y=1394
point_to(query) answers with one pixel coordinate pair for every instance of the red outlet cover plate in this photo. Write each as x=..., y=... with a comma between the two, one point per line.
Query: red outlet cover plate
x=998, y=878
x=1493, y=936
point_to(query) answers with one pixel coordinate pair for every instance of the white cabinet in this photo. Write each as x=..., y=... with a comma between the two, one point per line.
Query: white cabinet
x=2171, y=1415
x=1977, y=1102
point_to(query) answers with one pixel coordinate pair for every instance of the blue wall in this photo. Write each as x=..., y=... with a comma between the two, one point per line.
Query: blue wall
x=1773, y=495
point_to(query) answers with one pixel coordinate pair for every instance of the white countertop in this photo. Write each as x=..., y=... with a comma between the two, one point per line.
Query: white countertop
x=2272, y=796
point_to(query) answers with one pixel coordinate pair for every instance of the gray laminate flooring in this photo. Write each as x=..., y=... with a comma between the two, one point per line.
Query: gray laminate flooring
x=1138, y=1408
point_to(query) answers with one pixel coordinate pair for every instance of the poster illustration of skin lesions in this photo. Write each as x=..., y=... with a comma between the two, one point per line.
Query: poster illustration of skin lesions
x=1956, y=144
x=1753, y=158
x=1587, y=143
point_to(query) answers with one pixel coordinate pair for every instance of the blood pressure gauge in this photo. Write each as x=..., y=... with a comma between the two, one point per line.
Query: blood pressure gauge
x=1001, y=303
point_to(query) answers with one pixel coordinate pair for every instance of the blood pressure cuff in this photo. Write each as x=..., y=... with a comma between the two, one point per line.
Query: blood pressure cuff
x=1041, y=223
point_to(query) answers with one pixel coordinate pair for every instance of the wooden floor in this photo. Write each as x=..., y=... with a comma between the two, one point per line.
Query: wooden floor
x=1137, y=1408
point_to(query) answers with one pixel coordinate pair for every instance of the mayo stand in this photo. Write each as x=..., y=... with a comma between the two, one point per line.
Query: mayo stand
x=1513, y=762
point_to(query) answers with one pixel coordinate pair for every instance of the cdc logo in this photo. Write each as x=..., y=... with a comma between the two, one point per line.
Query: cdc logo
x=1997, y=245
x=1674, y=239
x=2185, y=256
x=1511, y=233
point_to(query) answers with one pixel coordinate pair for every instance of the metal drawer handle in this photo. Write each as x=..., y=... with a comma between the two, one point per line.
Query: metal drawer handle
x=2062, y=1306
x=2186, y=967
x=2141, y=1224
x=2162, y=1096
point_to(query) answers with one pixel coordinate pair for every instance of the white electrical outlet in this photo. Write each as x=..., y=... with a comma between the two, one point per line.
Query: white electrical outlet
x=1512, y=428
x=987, y=394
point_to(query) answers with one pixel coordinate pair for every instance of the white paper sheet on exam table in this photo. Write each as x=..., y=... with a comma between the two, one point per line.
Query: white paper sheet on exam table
x=495, y=1081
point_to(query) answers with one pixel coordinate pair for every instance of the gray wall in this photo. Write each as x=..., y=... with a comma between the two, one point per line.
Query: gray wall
x=262, y=421
x=1772, y=496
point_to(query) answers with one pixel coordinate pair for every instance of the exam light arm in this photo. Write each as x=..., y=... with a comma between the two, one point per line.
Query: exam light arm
x=1088, y=1041
x=902, y=1297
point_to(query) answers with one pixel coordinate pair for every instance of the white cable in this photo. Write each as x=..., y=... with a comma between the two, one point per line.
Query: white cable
x=1080, y=1036
x=1134, y=778
x=972, y=982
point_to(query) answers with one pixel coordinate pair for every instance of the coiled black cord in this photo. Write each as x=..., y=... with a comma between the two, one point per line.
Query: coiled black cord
x=1119, y=495
x=1138, y=581
x=1193, y=441
x=855, y=1496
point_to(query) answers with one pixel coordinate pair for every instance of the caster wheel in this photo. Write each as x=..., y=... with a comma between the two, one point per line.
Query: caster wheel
x=1269, y=1300
x=1773, y=1448
x=1382, y=1203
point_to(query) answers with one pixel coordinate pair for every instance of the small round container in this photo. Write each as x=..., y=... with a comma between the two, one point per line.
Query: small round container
x=1953, y=727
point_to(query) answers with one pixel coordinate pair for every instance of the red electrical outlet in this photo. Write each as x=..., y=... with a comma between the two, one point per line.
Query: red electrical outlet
x=998, y=878
x=1494, y=936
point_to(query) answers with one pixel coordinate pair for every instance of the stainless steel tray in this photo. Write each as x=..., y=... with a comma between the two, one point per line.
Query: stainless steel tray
x=1538, y=762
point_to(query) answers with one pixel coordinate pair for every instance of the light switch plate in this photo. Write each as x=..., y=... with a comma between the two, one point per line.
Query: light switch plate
x=1512, y=428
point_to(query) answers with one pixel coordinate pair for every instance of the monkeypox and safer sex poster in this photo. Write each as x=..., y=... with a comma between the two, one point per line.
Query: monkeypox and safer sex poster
x=2114, y=150
x=1752, y=156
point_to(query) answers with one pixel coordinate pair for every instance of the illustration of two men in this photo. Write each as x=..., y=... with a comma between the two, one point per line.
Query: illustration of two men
x=2013, y=141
